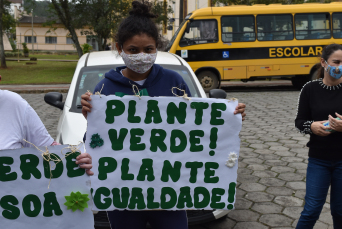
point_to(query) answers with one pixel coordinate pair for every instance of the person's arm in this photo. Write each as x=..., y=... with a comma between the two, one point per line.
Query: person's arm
x=304, y=121
x=34, y=130
x=36, y=133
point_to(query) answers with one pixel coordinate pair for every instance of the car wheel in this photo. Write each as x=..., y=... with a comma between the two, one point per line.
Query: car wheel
x=208, y=80
x=194, y=217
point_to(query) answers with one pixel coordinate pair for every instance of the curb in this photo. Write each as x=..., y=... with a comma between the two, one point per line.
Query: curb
x=56, y=60
x=35, y=89
x=38, y=91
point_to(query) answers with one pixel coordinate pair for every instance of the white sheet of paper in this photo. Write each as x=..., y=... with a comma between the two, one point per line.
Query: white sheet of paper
x=142, y=191
x=19, y=189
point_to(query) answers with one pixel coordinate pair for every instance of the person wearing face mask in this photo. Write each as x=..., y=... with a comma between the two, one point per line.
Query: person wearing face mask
x=137, y=39
x=319, y=114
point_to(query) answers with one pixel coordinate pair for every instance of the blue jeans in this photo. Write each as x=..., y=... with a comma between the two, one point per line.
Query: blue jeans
x=320, y=175
x=157, y=219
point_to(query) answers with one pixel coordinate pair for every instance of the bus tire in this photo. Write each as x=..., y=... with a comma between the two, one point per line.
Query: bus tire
x=208, y=80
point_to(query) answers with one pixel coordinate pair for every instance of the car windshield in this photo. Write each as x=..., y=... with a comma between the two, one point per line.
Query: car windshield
x=89, y=77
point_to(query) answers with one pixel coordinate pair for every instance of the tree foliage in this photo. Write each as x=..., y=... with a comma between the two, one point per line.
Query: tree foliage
x=99, y=18
x=8, y=23
x=104, y=16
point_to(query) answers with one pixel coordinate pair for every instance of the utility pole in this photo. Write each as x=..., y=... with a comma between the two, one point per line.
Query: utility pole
x=32, y=32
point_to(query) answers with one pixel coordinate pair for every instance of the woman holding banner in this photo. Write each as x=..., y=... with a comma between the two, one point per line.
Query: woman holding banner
x=136, y=41
x=20, y=125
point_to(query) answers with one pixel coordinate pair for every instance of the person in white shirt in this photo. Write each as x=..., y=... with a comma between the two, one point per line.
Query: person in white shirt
x=18, y=121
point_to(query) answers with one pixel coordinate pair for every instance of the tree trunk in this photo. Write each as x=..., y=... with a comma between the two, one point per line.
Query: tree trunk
x=67, y=22
x=99, y=42
x=74, y=38
x=2, y=50
x=104, y=43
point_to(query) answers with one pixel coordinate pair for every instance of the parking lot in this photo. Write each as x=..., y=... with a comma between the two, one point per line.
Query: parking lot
x=272, y=162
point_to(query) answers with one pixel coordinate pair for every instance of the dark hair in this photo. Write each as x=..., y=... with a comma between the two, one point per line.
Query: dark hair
x=326, y=53
x=138, y=22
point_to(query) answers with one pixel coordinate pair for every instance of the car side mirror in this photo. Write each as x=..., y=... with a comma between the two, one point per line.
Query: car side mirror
x=54, y=99
x=217, y=94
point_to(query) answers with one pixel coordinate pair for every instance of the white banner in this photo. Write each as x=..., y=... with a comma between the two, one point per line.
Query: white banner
x=163, y=152
x=28, y=201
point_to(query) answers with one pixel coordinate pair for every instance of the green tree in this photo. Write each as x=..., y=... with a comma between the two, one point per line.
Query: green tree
x=103, y=17
x=95, y=17
x=65, y=11
x=4, y=24
x=162, y=9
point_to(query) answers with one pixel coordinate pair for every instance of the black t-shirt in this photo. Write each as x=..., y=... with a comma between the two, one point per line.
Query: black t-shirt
x=316, y=102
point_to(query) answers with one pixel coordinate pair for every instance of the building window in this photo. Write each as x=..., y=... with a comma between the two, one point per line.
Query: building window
x=69, y=41
x=50, y=40
x=28, y=39
x=92, y=40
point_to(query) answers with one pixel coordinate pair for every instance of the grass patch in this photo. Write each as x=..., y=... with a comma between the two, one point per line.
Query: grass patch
x=55, y=56
x=49, y=56
x=44, y=72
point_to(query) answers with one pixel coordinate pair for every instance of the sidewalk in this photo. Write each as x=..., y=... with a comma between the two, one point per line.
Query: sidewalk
x=65, y=87
x=256, y=83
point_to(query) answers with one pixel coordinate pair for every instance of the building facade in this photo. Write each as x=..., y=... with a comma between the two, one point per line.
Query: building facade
x=43, y=37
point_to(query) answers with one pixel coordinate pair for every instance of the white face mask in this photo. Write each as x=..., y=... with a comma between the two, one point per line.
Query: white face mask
x=139, y=63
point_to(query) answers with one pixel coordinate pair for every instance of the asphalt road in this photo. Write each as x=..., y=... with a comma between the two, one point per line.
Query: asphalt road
x=272, y=162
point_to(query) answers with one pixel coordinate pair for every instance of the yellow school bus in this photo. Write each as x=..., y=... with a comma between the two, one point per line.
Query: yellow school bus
x=257, y=42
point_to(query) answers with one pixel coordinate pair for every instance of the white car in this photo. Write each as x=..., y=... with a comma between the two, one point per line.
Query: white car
x=90, y=69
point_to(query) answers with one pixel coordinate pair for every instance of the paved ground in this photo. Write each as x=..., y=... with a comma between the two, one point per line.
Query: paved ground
x=272, y=163
x=64, y=87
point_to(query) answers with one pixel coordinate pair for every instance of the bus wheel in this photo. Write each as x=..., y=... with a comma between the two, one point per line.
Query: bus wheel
x=208, y=80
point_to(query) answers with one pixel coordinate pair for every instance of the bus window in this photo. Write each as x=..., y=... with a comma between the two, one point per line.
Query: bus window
x=237, y=28
x=337, y=24
x=312, y=26
x=200, y=32
x=275, y=27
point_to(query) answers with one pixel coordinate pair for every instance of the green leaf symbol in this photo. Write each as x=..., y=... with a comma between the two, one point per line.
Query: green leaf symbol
x=76, y=201
x=96, y=140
